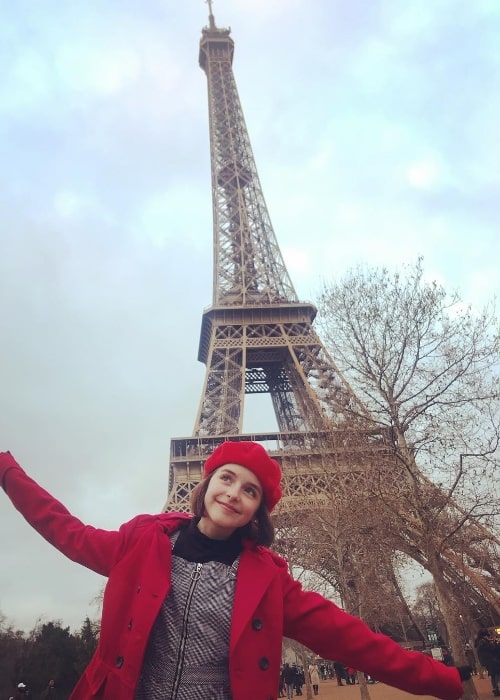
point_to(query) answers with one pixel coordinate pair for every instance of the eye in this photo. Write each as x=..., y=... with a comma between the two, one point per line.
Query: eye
x=225, y=477
x=251, y=491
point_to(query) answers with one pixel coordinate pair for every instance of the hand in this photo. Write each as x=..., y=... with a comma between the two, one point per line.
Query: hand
x=465, y=672
x=7, y=461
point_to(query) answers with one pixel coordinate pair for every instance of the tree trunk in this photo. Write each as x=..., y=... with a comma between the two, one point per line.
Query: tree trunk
x=363, y=687
x=451, y=620
x=305, y=666
x=353, y=600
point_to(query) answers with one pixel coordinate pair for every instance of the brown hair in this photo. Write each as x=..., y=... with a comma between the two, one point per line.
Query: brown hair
x=260, y=529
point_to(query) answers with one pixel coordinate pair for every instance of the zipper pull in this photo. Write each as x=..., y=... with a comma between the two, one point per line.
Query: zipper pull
x=196, y=573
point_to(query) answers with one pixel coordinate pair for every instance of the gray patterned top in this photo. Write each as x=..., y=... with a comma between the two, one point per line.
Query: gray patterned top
x=187, y=657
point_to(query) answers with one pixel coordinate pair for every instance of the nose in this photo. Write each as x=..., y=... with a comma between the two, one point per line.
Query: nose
x=232, y=491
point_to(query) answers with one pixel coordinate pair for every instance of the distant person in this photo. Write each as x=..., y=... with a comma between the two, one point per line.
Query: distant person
x=488, y=653
x=447, y=657
x=340, y=672
x=314, y=677
x=22, y=691
x=351, y=675
x=299, y=680
x=471, y=659
x=196, y=606
x=282, y=687
x=289, y=673
x=50, y=691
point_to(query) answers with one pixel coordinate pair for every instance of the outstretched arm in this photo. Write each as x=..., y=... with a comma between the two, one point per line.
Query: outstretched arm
x=334, y=634
x=94, y=548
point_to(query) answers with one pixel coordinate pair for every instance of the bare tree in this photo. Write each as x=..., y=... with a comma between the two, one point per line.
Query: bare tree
x=426, y=368
x=336, y=543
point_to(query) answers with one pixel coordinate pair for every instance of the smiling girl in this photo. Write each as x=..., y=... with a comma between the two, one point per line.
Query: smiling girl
x=197, y=606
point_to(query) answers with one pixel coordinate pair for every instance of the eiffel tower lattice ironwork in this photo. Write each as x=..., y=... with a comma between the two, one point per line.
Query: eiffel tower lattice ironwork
x=257, y=337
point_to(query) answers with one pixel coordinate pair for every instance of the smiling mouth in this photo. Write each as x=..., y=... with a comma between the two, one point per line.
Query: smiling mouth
x=228, y=508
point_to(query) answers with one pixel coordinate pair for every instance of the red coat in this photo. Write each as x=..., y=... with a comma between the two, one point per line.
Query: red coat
x=268, y=603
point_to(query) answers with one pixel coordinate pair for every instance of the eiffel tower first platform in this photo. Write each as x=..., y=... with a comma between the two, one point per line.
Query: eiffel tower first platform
x=257, y=337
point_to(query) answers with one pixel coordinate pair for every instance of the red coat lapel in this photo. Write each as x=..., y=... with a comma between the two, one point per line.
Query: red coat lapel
x=255, y=573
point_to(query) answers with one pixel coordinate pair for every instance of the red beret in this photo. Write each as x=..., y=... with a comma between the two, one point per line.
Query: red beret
x=254, y=457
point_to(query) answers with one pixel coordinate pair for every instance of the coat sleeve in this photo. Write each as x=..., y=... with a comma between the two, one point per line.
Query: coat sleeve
x=92, y=547
x=333, y=634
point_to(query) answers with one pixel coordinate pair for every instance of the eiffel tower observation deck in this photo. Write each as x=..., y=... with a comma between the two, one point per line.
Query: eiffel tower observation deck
x=257, y=337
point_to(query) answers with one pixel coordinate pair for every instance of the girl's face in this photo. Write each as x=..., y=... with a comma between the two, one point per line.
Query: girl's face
x=233, y=496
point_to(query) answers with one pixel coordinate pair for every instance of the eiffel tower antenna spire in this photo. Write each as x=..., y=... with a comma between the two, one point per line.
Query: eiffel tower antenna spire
x=211, y=18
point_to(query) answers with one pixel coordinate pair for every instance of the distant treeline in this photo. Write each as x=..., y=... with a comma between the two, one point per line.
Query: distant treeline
x=49, y=651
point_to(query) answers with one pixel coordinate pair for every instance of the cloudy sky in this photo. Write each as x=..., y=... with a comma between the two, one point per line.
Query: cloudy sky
x=375, y=127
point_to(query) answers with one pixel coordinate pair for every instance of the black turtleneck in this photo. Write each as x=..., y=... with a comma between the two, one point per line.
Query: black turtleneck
x=193, y=545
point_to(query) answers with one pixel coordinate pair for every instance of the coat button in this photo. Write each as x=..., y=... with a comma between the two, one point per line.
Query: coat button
x=129, y=626
x=264, y=663
x=257, y=624
x=119, y=662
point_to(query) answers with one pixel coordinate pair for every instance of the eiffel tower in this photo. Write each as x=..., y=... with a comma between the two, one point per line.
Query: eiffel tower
x=258, y=338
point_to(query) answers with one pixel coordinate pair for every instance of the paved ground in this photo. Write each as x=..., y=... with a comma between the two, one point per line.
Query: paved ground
x=329, y=690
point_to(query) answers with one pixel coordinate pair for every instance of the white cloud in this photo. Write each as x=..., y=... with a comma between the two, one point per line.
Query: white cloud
x=69, y=205
x=424, y=174
x=349, y=214
x=179, y=213
x=264, y=9
x=27, y=81
x=103, y=69
x=481, y=285
x=297, y=260
x=417, y=20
